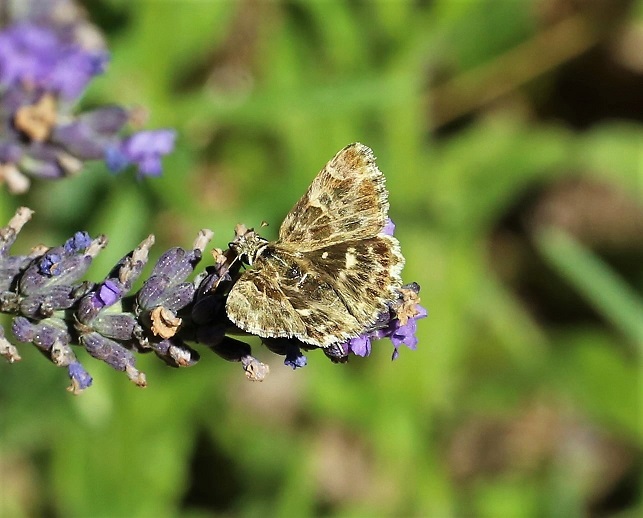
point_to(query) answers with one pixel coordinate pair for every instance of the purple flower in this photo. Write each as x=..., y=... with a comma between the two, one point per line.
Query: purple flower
x=78, y=243
x=107, y=294
x=404, y=334
x=361, y=346
x=44, y=69
x=49, y=265
x=295, y=358
x=389, y=227
x=75, y=70
x=80, y=378
x=144, y=149
x=37, y=58
x=399, y=325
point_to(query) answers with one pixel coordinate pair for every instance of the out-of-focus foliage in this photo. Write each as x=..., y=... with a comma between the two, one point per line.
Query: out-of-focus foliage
x=511, y=136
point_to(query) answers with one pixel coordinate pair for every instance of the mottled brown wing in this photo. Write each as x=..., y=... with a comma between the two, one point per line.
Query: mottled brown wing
x=346, y=200
x=257, y=305
x=320, y=297
x=364, y=273
x=283, y=297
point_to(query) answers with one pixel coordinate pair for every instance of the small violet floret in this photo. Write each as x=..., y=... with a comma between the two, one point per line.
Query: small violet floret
x=144, y=149
x=360, y=346
x=79, y=242
x=295, y=358
x=108, y=293
x=389, y=227
x=49, y=264
x=79, y=376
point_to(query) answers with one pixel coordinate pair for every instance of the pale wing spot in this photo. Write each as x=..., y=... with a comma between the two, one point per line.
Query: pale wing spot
x=351, y=258
x=325, y=255
x=314, y=198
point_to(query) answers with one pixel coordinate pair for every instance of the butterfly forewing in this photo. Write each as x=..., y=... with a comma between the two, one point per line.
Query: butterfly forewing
x=346, y=200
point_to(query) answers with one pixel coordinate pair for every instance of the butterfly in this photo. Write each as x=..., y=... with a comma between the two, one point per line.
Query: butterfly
x=333, y=271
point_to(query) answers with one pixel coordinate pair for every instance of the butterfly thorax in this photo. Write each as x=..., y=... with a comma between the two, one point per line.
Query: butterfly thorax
x=249, y=246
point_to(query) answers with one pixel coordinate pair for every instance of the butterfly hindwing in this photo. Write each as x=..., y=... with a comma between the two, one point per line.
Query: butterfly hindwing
x=294, y=301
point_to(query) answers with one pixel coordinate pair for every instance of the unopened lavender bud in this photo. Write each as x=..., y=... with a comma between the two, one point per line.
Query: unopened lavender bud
x=175, y=353
x=120, y=326
x=10, y=267
x=80, y=378
x=176, y=264
x=232, y=350
x=207, y=308
x=109, y=351
x=42, y=162
x=337, y=353
x=79, y=141
x=42, y=334
x=44, y=304
x=179, y=296
x=211, y=335
x=55, y=268
x=23, y=329
x=106, y=120
x=152, y=292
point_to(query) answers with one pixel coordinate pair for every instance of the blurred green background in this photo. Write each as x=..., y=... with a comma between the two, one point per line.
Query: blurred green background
x=511, y=136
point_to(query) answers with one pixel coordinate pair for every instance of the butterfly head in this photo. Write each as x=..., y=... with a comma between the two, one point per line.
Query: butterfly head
x=247, y=245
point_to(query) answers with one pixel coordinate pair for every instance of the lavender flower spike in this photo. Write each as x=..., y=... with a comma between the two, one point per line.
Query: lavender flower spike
x=53, y=309
x=45, y=67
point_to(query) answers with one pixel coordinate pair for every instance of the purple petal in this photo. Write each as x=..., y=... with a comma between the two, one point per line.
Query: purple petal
x=38, y=57
x=389, y=227
x=78, y=243
x=146, y=148
x=295, y=358
x=79, y=376
x=360, y=346
x=49, y=264
x=108, y=293
x=115, y=159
